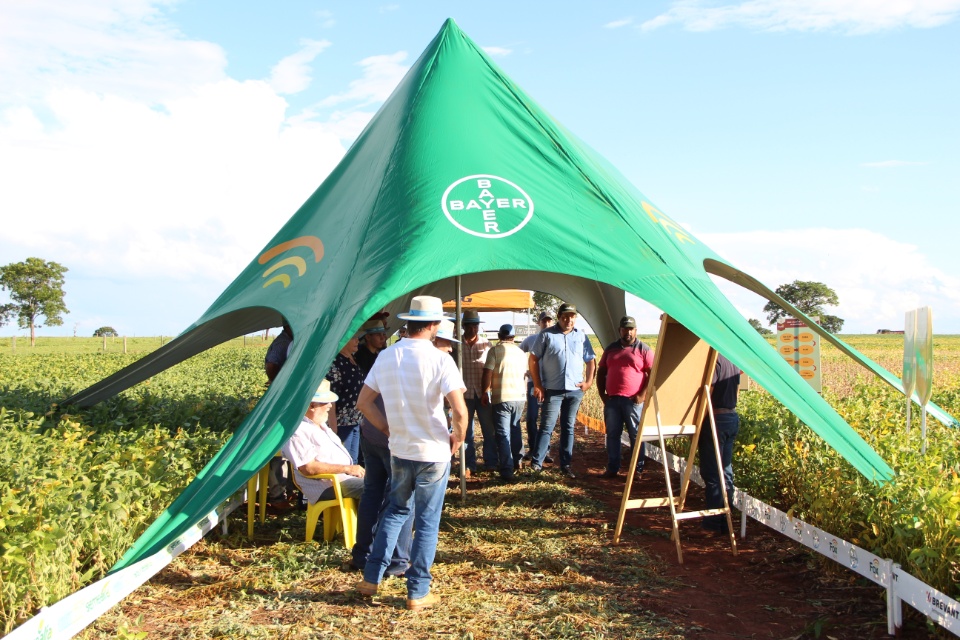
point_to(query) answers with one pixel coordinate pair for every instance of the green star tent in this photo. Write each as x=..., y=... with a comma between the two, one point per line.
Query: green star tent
x=460, y=174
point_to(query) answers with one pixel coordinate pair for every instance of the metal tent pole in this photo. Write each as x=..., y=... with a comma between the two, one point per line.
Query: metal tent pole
x=463, y=445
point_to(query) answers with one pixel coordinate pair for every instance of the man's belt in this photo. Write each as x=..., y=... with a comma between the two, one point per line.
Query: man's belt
x=720, y=410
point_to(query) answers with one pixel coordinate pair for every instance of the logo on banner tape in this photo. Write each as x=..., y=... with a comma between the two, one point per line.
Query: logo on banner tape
x=833, y=546
x=783, y=523
x=798, y=529
x=816, y=540
x=875, y=568
x=942, y=605
x=487, y=206
x=854, y=561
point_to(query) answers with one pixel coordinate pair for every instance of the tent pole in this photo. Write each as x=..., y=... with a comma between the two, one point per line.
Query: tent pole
x=463, y=445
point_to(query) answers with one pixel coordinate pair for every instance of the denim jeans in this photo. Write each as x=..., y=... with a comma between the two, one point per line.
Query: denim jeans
x=566, y=404
x=485, y=418
x=349, y=435
x=415, y=488
x=617, y=412
x=728, y=424
x=506, y=417
x=533, y=410
x=373, y=503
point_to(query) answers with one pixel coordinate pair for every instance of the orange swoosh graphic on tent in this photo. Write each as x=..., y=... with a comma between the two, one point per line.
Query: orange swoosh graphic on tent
x=312, y=242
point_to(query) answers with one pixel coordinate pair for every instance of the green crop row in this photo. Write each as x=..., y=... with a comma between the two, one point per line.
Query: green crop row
x=77, y=487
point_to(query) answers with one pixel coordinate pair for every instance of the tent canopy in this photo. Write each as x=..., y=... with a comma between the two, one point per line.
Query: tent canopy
x=460, y=173
x=501, y=300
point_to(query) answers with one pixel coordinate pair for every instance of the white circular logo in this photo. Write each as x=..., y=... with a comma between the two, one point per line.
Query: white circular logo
x=487, y=206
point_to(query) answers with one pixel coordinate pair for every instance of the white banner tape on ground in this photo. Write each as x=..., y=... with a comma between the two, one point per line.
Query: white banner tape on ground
x=900, y=585
x=71, y=615
x=934, y=604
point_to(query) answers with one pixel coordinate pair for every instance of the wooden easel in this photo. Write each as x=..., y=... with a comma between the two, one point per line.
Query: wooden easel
x=678, y=399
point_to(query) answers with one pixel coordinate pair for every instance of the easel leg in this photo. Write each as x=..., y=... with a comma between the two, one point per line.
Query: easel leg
x=634, y=456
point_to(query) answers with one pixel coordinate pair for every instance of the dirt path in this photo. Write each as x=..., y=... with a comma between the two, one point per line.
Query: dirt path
x=773, y=587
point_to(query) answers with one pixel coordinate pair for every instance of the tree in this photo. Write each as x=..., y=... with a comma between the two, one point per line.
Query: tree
x=762, y=330
x=544, y=302
x=36, y=289
x=810, y=298
x=105, y=332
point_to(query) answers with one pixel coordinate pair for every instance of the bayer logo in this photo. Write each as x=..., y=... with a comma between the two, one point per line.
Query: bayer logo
x=487, y=206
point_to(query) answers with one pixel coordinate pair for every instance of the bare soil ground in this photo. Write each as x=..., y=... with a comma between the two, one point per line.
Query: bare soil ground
x=531, y=560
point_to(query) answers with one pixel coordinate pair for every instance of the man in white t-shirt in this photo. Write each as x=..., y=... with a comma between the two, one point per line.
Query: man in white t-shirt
x=414, y=377
x=314, y=448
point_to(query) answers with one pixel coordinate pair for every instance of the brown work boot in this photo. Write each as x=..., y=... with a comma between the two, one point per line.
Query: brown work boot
x=368, y=589
x=426, y=601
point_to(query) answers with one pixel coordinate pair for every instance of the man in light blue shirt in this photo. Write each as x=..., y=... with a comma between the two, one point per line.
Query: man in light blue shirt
x=556, y=366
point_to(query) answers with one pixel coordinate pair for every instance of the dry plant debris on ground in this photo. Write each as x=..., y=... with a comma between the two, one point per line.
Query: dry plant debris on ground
x=530, y=560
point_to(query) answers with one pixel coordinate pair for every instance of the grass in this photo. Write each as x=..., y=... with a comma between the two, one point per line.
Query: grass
x=531, y=560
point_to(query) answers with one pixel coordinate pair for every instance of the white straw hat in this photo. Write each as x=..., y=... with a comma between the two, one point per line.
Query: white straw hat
x=324, y=395
x=446, y=331
x=424, y=309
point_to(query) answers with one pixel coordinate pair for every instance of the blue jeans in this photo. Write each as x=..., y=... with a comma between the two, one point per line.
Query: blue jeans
x=349, y=435
x=373, y=503
x=415, y=488
x=728, y=424
x=485, y=418
x=506, y=417
x=533, y=410
x=566, y=404
x=617, y=412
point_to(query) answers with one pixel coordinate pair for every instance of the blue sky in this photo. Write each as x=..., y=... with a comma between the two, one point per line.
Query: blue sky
x=153, y=147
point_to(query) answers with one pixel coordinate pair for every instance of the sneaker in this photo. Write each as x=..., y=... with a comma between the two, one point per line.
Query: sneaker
x=568, y=472
x=426, y=601
x=509, y=479
x=548, y=460
x=526, y=458
x=609, y=474
x=534, y=468
x=367, y=589
x=349, y=567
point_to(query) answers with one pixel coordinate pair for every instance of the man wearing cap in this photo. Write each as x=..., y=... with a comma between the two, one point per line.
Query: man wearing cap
x=475, y=347
x=413, y=378
x=504, y=389
x=545, y=320
x=622, y=377
x=557, y=366
x=314, y=448
x=373, y=339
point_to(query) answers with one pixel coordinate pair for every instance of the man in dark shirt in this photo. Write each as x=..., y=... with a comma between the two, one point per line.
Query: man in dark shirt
x=373, y=341
x=723, y=396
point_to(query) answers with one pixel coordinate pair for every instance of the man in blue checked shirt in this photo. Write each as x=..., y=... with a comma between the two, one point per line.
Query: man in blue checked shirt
x=557, y=366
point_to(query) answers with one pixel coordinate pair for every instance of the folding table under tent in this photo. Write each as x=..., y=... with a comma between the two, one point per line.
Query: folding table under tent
x=459, y=174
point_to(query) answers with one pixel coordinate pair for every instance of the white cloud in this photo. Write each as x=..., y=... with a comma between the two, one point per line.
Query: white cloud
x=497, y=51
x=292, y=74
x=877, y=278
x=120, y=47
x=381, y=75
x=616, y=24
x=886, y=164
x=326, y=18
x=849, y=16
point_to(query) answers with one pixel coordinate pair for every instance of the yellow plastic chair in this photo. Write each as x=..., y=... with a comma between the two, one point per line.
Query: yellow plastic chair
x=339, y=514
x=262, y=479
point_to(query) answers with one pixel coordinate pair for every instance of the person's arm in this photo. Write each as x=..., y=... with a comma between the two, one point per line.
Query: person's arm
x=332, y=417
x=647, y=371
x=271, y=369
x=588, y=376
x=602, y=384
x=367, y=405
x=486, y=386
x=315, y=467
x=458, y=422
x=533, y=363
